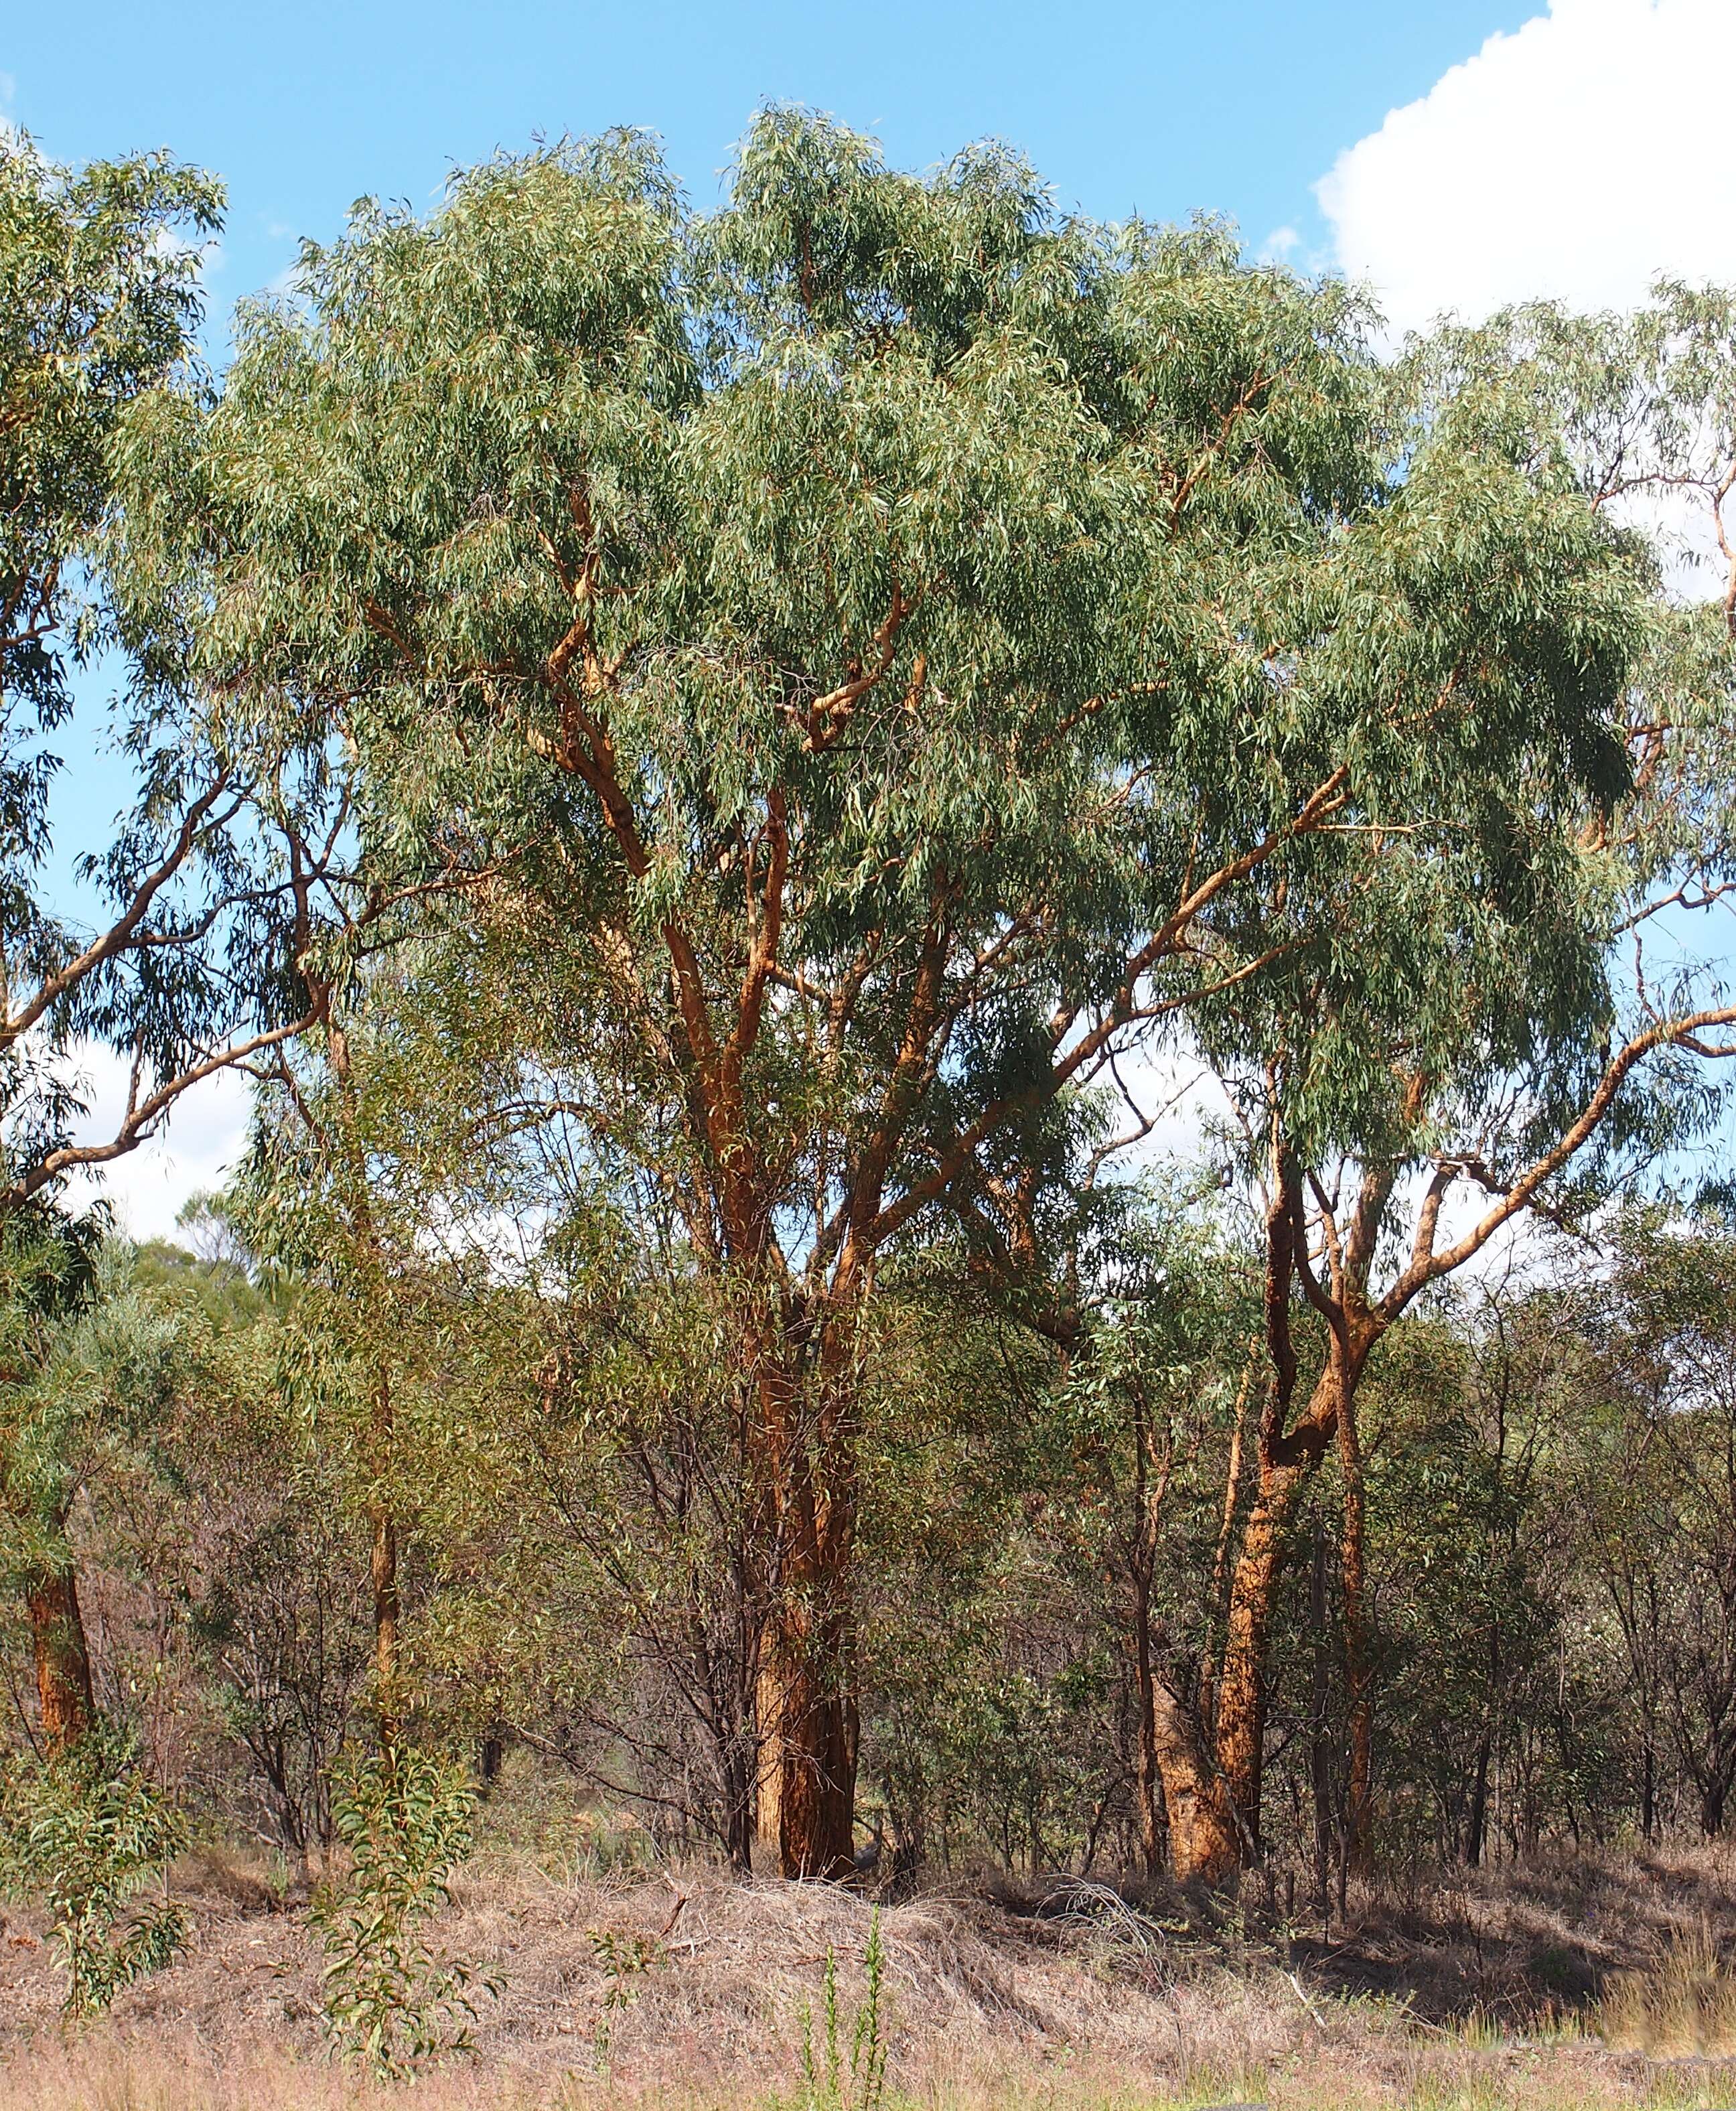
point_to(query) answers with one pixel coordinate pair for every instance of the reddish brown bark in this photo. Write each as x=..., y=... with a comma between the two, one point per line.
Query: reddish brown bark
x=63, y=1686
x=1193, y=1804
x=1213, y=1763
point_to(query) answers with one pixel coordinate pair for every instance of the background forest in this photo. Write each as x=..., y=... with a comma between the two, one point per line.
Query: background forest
x=723, y=777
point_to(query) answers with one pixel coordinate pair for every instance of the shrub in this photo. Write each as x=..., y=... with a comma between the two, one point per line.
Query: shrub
x=405, y=1817
x=85, y=1830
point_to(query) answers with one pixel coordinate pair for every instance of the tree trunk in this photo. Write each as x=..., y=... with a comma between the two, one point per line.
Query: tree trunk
x=383, y=1568
x=808, y=1724
x=1476, y=1808
x=807, y=1660
x=808, y=1795
x=1224, y=1833
x=1359, y=1671
x=1320, y=1727
x=768, y=1800
x=1240, y=1739
x=1148, y=1789
x=1194, y=1807
x=63, y=1686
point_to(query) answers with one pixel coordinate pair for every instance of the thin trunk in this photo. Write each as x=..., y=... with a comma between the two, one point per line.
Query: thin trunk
x=1476, y=1809
x=1226, y=1528
x=383, y=1552
x=1142, y=1565
x=1320, y=1727
x=383, y=1567
x=1147, y=1778
x=63, y=1686
x=1359, y=1671
x=1476, y=1817
x=491, y=1752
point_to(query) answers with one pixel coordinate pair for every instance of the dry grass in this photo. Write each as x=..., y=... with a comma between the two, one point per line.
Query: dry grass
x=1682, y=2003
x=1587, y=1984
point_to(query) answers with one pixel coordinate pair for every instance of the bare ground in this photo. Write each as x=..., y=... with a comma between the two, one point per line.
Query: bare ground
x=1589, y=1982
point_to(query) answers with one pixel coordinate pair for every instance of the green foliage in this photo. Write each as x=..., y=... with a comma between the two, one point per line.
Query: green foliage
x=846, y=2069
x=99, y=300
x=1010, y=572
x=404, y=1816
x=86, y=1830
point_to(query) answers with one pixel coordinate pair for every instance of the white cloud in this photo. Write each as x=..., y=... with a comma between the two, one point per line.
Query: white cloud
x=202, y=1140
x=1577, y=157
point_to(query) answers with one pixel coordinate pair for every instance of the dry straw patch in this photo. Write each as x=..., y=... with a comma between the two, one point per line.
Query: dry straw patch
x=1071, y=2002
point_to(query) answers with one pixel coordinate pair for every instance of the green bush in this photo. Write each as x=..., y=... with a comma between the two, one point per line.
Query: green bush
x=405, y=1817
x=85, y=1830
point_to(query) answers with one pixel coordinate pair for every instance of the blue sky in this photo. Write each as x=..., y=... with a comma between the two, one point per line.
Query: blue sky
x=1237, y=106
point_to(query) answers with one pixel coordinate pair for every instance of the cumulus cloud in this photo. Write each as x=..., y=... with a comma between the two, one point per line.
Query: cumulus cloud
x=1578, y=157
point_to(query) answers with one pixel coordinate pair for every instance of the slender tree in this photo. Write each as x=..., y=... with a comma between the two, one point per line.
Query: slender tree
x=1479, y=1021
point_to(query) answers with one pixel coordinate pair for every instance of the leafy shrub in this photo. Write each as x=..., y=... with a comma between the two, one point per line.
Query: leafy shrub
x=405, y=1817
x=85, y=1830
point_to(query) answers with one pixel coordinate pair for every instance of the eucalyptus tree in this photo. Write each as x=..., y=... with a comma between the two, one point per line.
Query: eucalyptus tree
x=875, y=634
x=1482, y=1035
x=175, y=941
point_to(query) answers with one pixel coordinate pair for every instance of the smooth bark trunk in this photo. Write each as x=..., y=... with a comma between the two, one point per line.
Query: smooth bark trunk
x=1476, y=1809
x=1148, y=1789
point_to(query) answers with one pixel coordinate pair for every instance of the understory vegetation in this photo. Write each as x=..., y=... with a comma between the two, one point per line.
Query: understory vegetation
x=982, y=979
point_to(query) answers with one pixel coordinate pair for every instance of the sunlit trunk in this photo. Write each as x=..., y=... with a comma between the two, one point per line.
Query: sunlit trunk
x=1223, y=1830
x=63, y=1657
x=1194, y=1808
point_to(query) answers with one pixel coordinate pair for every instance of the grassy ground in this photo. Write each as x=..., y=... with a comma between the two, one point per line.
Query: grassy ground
x=1581, y=1984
